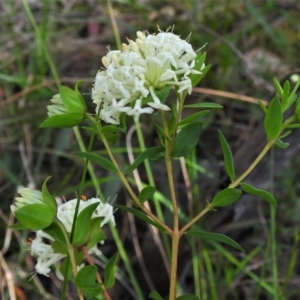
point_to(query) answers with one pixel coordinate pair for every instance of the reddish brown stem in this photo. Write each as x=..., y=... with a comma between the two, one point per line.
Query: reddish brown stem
x=98, y=277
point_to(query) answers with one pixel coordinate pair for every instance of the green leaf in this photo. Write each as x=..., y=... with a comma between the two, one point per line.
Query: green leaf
x=95, y=239
x=95, y=294
x=187, y=297
x=71, y=100
x=160, y=94
x=273, y=119
x=59, y=248
x=79, y=256
x=155, y=295
x=217, y=237
x=280, y=144
x=147, y=193
x=187, y=139
x=89, y=129
x=48, y=198
x=55, y=231
x=17, y=226
x=64, y=120
x=172, y=124
x=287, y=133
x=228, y=159
x=278, y=87
x=109, y=279
x=95, y=225
x=111, y=129
x=77, y=85
x=162, y=132
x=291, y=100
x=96, y=235
x=103, y=162
x=35, y=216
x=144, y=155
x=82, y=225
x=174, y=110
x=193, y=117
x=285, y=95
x=17, y=79
x=63, y=269
x=297, y=110
x=86, y=278
x=111, y=138
x=292, y=126
x=163, y=93
x=226, y=197
x=140, y=215
x=195, y=78
x=259, y=193
x=157, y=156
x=203, y=105
x=293, y=97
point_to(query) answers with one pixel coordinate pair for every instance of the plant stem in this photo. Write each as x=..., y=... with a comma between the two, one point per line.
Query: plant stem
x=71, y=258
x=164, y=247
x=273, y=232
x=234, y=184
x=98, y=277
x=74, y=267
x=253, y=165
x=89, y=165
x=148, y=168
x=195, y=219
x=175, y=233
x=261, y=155
x=125, y=181
x=174, y=263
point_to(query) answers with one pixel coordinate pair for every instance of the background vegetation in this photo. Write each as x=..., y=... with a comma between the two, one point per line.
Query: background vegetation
x=43, y=43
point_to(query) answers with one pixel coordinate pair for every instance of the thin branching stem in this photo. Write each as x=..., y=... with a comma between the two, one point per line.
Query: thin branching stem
x=125, y=181
x=235, y=183
x=98, y=276
x=261, y=155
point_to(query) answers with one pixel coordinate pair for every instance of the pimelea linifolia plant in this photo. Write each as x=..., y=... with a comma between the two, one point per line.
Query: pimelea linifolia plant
x=136, y=80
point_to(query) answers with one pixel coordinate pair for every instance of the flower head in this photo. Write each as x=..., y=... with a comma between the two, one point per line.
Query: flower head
x=141, y=68
x=28, y=196
x=67, y=109
x=46, y=255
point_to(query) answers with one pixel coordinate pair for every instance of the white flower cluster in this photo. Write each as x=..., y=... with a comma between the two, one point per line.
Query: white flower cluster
x=140, y=69
x=65, y=212
x=46, y=256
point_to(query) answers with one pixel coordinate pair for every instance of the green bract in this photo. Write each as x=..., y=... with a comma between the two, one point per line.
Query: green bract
x=34, y=209
x=68, y=108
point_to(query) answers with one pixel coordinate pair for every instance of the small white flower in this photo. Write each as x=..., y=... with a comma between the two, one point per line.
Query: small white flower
x=138, y=110
x=141, y=68
x=185, y=85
